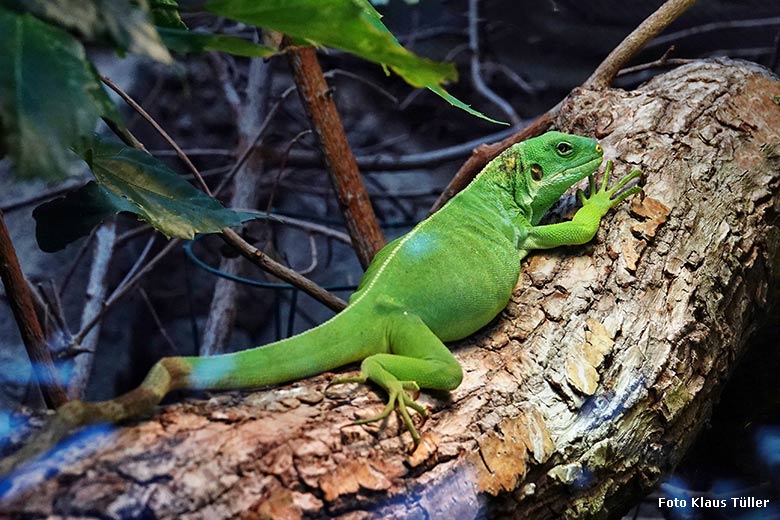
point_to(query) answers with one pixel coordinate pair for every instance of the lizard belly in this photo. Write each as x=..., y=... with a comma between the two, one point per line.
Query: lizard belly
x=457, y=282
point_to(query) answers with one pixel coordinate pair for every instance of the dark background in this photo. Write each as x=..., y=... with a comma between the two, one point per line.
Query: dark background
x=532, y=53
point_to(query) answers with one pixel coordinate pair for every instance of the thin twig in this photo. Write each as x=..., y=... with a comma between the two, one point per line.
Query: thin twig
x=353, y=199
x=283, y=168
x=20, y=300
x=639, y=37
x=43, y=196
x=196, y=151
x=476, y=66
x=387, y=162
x=302, y=224
x=283, y=272
x=157, y=321
x=654, y=64
x=54, y=309
x=250, y=148
x=138, y=262
x=76, y=261
x=357, y=77
x=119, y=293
x=246, y=249
x=149, y=119
x=314, y=257
x=601, y=78
x=511, y=75
x=751, y=23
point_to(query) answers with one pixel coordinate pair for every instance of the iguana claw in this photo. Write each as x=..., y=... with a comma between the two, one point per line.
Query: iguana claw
x=397, y=398
x=604, y=196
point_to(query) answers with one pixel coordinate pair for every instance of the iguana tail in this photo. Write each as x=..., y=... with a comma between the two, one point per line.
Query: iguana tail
x=335, y=343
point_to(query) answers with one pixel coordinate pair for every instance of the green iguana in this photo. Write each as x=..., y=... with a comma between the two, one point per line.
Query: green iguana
x=445, y=279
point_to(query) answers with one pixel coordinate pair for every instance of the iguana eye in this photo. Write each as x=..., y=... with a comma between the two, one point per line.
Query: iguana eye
x=536, y=172
x=564, y=148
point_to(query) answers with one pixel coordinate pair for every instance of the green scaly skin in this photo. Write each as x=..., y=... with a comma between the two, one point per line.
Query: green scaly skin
x=442, y=281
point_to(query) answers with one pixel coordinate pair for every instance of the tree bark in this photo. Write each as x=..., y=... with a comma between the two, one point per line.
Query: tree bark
x=576, y=400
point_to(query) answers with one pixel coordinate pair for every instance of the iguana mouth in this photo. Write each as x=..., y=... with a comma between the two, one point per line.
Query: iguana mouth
x=584, y=168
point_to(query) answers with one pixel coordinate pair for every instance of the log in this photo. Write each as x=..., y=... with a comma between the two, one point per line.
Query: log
x=576, y=400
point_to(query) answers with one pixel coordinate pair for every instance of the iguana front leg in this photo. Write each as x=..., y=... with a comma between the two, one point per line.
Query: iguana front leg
x=417, y=359
x=585, y=223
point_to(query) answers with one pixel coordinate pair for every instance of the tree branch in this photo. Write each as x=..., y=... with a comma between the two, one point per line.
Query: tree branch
x=476, y=66
x=234, y=239
x=105, y=241
x=244, y=194
x=21, y=303
x=639, y=37
x=317, y=99
x=600, y=78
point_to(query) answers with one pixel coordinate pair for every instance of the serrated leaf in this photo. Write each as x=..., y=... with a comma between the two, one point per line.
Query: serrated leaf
x=63, y=220
x=185, y=41
x=161, y=197
x=354, y=26
x=50, y=95
x=127, y=25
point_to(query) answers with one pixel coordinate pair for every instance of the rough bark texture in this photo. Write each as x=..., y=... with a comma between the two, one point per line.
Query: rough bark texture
x=575, y=401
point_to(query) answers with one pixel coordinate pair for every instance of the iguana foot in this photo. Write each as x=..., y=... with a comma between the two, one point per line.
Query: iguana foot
x=397, y=398
x=603, y=198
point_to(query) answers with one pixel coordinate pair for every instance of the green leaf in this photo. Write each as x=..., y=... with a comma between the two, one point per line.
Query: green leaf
x=351, y=25
x=185, y=41
x=63, y=220
x=343, y=24
x=50, y=95
x=160, y=196
x=165, y=13
x=121, y=22
x=452, y=100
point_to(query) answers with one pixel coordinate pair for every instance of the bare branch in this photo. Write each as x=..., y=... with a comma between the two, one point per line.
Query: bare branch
x=476, y=66
x=41, y=196
x=157, y=321
x=105, y=240
x=122, y=291
x=245, y=191
x=250, y=148
x=21, y=303
x=285, y=273
x=383, y=162
x=639, y=37
x=316, y=97
x=149, y=119
x=600, y=78
x=234, y=239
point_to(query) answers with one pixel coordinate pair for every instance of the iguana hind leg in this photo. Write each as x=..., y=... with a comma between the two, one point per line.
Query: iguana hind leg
x=417, y=359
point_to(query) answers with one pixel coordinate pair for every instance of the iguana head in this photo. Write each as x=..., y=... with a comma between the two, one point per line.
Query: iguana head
x=547, y=166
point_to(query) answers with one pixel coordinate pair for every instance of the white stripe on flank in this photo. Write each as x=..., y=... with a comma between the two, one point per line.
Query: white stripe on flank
x=391, y=256
x=370, y=285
